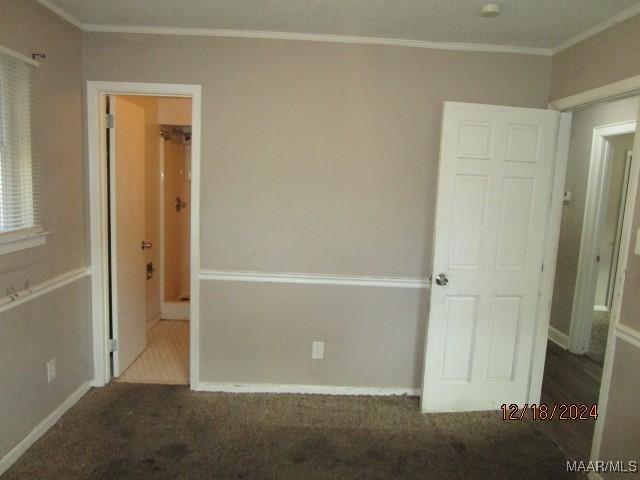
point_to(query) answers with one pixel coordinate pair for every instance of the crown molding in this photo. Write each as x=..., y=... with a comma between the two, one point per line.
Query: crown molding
x=62, y=13
x=312, y=37
x=598, y=28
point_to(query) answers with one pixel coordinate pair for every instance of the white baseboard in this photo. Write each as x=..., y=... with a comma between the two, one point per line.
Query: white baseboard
x=175, y=310
x=304, y=389
x=16, y=452
x=153, y=322
x=600, y=308
x=559, y=338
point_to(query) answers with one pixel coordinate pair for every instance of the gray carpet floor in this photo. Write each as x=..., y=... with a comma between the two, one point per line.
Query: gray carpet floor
x=134, y=431
x=599, y=333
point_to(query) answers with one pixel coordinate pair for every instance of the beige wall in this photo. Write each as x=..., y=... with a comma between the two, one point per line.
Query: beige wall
x=57, y=324
x=608, y=57
x=262, y=333
x=317, y=158
x=584, y=122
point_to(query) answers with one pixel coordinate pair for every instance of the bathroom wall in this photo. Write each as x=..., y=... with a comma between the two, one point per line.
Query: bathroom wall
x=177, y=223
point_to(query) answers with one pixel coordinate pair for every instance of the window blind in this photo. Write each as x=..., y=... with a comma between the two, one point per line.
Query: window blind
x=18, y=192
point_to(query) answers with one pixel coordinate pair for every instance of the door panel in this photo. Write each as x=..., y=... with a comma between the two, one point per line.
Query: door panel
x=494, y=191
x=128, y=267
x=469, y=202
x=461, y=313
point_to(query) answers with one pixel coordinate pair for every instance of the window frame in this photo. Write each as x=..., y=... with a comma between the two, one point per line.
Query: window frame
x=33, y=235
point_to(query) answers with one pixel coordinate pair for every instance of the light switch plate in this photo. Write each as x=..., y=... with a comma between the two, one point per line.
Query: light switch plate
x=51, y=370
x=317, y=350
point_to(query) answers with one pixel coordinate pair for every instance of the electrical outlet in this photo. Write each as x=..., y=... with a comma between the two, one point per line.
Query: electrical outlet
x=51, y=370
x=317, y=350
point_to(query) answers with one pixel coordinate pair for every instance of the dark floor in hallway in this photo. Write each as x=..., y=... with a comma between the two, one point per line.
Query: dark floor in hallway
x=570, y=378
x=127, y=431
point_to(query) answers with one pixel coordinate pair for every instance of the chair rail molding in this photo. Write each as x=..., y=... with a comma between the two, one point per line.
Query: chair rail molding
x=317, y=279
x=29, y=293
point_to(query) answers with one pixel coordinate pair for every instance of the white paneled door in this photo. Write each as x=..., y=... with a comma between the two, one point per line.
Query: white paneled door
x=494, y=193
x=127, y=221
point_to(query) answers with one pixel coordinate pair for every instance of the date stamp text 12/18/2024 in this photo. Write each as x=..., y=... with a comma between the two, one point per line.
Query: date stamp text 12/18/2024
x=555, y=411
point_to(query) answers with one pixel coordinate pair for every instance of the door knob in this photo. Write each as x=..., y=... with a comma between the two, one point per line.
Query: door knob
x=146, y=245
x=442, y=279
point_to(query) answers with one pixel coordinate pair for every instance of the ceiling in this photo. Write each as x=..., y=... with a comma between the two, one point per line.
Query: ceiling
x=542, y=24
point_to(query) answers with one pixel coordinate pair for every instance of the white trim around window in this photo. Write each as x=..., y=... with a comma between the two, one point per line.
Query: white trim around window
x=21, y=240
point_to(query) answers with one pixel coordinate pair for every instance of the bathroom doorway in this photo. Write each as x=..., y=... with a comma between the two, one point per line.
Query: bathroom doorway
x=149, y=162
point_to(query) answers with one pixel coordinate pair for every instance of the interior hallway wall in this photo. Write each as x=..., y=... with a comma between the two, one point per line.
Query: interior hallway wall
x=317, y=158
x=58, y=324
x=583, y=124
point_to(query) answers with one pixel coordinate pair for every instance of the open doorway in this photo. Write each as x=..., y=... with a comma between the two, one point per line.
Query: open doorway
x=148, y=161
x=597, y=187
x=620, y=154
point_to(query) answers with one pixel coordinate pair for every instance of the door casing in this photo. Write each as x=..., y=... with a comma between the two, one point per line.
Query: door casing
x=96, y=94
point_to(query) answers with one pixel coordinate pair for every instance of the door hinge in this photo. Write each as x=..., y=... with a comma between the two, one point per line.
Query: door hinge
x=113, y=345
x=111, y=120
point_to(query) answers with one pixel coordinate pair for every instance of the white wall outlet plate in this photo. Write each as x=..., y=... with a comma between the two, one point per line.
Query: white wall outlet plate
x=51, y=370
x=317, y=350
x=567, y=197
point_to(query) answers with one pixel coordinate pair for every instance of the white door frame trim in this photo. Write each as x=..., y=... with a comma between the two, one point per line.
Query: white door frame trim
x=622, y=205
x=612, y=91
x=97, y=166
x=550, y=256
x=592, y=226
